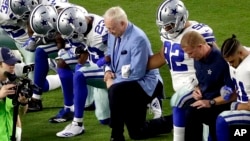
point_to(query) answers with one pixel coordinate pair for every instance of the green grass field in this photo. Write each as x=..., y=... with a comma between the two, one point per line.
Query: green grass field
x=224, y=16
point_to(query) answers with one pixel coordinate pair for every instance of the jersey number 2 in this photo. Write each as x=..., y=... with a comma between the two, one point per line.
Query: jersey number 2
x=174, y=56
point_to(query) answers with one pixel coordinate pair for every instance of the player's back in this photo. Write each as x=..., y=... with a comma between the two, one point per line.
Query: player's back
x=96, y=39
x=180, y=65
x=16, y=29
x=240, y=76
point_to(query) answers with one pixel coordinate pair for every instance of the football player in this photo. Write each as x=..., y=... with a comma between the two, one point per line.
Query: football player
x=43, y=24
x=238, y=58
x=45, y=43
x=13, y=21
x=173, y=23
x=21, y=10
x=88, y=29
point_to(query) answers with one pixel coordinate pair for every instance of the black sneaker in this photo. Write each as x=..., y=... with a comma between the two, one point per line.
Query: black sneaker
x=35, y=105
x=64, y=115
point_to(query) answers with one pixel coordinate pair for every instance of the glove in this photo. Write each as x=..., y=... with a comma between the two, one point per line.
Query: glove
x=30, y=44
x=69, y=53
x=72, y=52
x=62, y=52
x=226, y=92
x=100, y=62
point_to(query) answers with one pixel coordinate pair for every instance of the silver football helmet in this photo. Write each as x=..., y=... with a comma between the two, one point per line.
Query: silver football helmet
x=58, y=4
x=22, y=8
x=72, y=24
x=52, y=2
x=43, y=20
x=171, y=18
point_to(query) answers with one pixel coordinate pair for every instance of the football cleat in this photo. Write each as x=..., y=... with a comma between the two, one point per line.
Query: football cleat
x=155, y=108
x=64, y=115
x=71, y=130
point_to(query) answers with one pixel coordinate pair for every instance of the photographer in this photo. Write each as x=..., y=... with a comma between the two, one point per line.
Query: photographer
x=7, y=64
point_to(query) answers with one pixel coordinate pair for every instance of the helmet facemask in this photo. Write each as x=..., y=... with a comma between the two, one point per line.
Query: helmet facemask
x=75, y=36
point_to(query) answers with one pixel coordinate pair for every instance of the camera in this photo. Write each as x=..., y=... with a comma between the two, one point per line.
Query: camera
x=24, y=85
x=28, y=68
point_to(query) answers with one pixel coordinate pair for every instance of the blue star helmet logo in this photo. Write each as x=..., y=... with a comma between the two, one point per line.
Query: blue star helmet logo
x=22, y=3
x=44, y=22
x=70, y=20
x=174, y=11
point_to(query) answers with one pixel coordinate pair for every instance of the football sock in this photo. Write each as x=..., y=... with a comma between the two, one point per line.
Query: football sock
x=41, y=70
x=179, y=124
x=72, y=109
x=66, y=77
x=222, y=129
x=78, y=121
x=80, y=93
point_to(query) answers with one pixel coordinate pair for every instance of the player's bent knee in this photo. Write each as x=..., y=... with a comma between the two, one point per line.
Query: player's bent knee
x=174, y=100
x=220, y=120
x=180, y=98
x=61, y=64
x=39, y=51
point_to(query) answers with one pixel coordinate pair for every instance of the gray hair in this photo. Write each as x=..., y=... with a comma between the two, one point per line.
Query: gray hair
x=116, y=13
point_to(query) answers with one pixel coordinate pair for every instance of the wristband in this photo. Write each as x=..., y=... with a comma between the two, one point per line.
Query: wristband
x=234, y=105
x=226, y=92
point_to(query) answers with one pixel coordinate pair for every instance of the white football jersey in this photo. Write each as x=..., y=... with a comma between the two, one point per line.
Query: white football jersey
x=8, y=22
x=180, y=65
x=96, y=39
x=240, y=76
